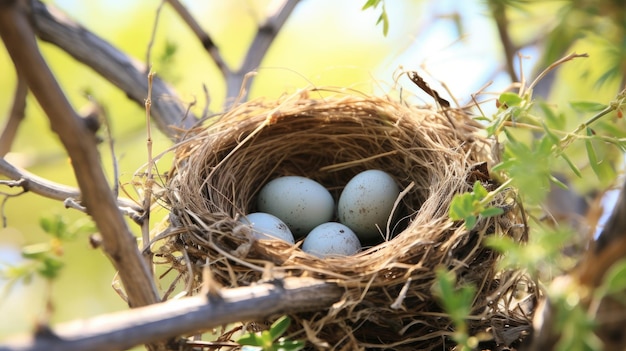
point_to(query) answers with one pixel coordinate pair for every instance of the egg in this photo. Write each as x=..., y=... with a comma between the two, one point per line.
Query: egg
x=331, y=239
x=366, y=202
x=266, y=226
x=300, y=202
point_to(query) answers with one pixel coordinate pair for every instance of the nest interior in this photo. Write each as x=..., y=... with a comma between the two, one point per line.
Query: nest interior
x=220, y=167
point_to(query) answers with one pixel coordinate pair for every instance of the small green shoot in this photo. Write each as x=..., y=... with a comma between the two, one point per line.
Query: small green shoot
x=457, y=303
x=45, y=259
x=468, y=206
x=271, y=340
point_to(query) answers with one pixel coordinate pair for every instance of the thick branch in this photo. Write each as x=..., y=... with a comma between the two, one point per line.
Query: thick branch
x=127, y=74
x=80, y=143
x=185, y=316
x=261, y=43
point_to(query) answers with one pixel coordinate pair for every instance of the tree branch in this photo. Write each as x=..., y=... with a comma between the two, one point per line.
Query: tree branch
x=498, y=10
x=55, y=191
x=267, y=32
x=16, y=115
x=127, y=74
x=185, y=316
x=80, y=143
x=205, y=39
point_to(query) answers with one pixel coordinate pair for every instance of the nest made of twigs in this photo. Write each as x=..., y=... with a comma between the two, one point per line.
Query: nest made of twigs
x=433, y=155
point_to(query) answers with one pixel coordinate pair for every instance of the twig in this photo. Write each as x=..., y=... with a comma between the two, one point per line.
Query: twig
x=118, y=242
x=153, y=34
x=16, y=115
x=266, y=33
x=185, y=316
x=205, y=39
x=147, y=200
x=550, y=68
x=125, y=73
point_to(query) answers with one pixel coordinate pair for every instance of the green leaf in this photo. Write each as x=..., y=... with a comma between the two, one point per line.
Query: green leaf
x=572, y=166
x=36, y=251
x=479, y=190
x=510, y=99
x=457, y=302
x=51, y=267
x=248, y=339
x=289, y=345
x=615, y=279
x=587, y=106
x=492, y=212
x=470, y=222
x=54, y=225
x=461, y=206
x=370, y=3
x=279, y=327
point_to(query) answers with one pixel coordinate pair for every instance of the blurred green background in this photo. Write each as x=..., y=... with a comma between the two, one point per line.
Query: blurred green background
x=323, y=43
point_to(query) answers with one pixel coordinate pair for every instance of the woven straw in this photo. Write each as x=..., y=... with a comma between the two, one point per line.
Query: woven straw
x=220, y=167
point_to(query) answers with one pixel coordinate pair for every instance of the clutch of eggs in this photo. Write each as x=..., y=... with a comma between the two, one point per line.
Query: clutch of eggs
x=306, y=208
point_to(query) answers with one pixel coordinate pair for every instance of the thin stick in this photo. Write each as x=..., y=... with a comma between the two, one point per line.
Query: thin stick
x=553, y=66
x=153, y=33
x=16, y=115
x=502, y=23
x=44, y=187
x=147, y=200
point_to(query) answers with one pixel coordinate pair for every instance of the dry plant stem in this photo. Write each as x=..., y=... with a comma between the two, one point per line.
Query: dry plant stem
x=205, y=39
x=46, y=188
x=125, y=73
x=185, y=316
x=118, y=241
x=16, y=115
x=145, y=226
x=278, y=15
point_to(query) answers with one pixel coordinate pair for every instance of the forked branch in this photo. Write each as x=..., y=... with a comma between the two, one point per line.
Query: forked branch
x=126, y=73
x=80, y=143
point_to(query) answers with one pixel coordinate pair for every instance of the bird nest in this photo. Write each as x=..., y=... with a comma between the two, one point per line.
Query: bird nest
x=389, y=303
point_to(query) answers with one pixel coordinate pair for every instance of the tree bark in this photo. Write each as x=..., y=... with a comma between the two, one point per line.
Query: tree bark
x=185, y=316
x=118, y=242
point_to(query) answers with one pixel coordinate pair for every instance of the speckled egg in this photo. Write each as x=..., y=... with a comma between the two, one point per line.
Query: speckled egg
x=266, y=226
x=331, y=239
x=366, y=203
x=300, y=202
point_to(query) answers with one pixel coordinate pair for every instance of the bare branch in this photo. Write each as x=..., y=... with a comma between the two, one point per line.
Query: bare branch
x=205, y=39
x=261, y=43
x=16, y=115
x=185, y=316
x=124, y=72
x=52, y=190
x=118, y=242
x=502, y=23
